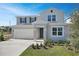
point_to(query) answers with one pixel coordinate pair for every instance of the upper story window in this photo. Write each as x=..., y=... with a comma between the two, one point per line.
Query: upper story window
x=35, y=19
x=51, y=18
x=32, y=19
x=23, y=20
x=20, y=20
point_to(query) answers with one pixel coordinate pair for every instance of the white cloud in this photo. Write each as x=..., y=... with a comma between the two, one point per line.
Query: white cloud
x=14, y=10
x=18, y=10
x=11, y=9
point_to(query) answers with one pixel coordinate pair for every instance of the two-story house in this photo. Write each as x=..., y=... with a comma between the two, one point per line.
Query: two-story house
x=49, y=24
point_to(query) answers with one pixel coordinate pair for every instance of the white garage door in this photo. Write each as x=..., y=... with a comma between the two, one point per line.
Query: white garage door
x=23, y=33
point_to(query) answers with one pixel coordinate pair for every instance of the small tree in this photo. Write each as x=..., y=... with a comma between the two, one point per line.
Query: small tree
x=1, y=36
x=75, y=29
x=33, y=46
x=37, y=45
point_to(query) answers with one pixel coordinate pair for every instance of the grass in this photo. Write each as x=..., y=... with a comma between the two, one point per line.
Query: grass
x=0, y=32
x=55, y=51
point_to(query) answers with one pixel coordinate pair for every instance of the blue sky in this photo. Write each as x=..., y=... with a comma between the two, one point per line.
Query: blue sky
x=9, y=11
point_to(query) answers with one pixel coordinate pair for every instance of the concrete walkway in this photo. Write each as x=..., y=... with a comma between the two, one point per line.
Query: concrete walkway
x=14, y=47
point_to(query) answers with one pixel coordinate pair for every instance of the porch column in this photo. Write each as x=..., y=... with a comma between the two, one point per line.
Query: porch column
x=45, y=33
x=34, y=33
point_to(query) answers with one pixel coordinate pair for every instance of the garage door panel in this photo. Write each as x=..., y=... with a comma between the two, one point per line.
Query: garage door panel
x=23, y=33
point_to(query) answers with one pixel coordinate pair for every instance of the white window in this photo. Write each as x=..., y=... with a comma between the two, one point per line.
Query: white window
x=23, y=20
x=57, y=31
x=60, y=31
x=32, y=19
x=54, y=31
x=51, y=18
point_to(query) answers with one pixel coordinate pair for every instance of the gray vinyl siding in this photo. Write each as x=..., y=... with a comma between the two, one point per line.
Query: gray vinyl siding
x=59, y=15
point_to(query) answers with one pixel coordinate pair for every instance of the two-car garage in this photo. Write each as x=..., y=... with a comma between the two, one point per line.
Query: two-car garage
x=23, y=33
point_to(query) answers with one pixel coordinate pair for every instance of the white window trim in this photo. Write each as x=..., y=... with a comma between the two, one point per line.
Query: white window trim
x=51, y=18
x=57, y=31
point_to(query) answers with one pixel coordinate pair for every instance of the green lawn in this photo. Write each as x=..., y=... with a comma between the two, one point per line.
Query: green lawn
x=55, y=51
x=0, y=33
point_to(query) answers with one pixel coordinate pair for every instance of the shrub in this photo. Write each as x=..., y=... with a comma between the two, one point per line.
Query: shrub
x=53, y=43
x=2, y=37
x=77, y=45
x=33, y=46
x=68, y=42
x=45, y=47
x=77, y=51
x=37, y=45
x=62, y=42
x=70, y=48
x=48, y=42
x=41, y=45
x=45, y=43
x=51, y=46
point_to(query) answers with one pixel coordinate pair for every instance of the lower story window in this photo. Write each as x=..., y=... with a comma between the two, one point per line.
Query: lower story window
x=60, y=31
x=54, y=31
x=57, y=31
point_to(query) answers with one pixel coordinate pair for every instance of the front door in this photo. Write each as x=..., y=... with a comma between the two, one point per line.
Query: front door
x=40, y=32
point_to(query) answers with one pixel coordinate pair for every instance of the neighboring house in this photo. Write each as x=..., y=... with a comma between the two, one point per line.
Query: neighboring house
x=49, y=24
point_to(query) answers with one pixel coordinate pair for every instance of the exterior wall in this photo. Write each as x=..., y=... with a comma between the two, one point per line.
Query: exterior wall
x=44, y=16
x=58, y=13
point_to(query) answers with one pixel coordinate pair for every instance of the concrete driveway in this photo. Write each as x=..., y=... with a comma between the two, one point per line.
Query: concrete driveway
x=14, y=47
